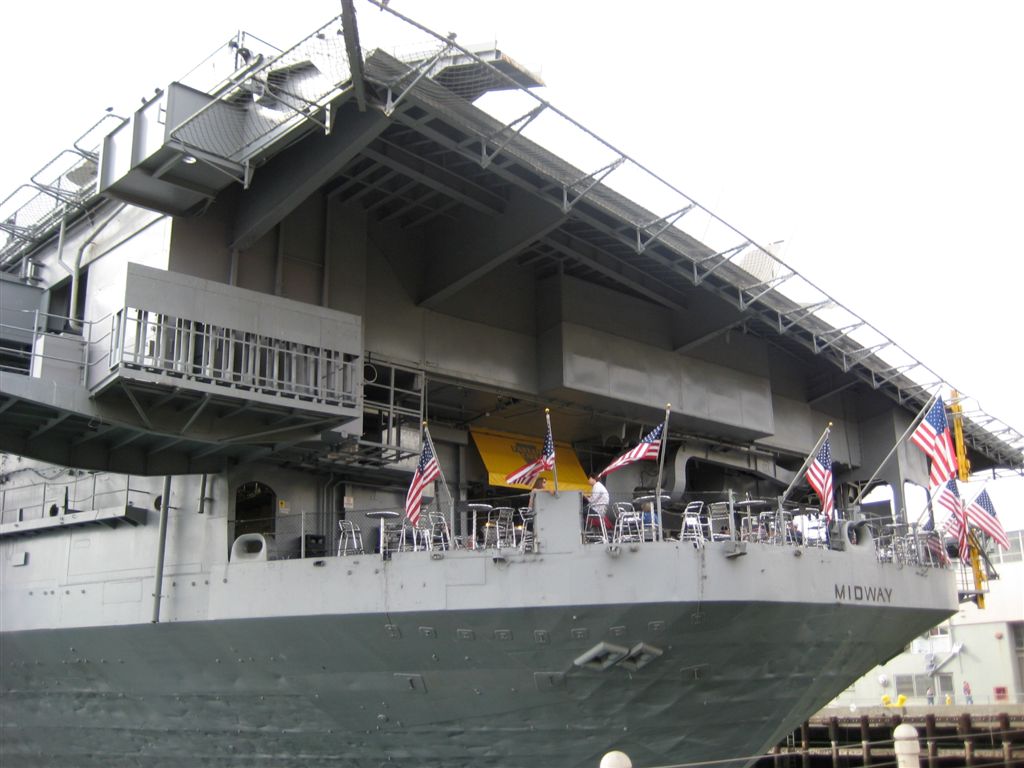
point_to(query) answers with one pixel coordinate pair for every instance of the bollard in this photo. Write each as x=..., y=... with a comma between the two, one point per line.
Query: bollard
x=616, y=759
x=908, y=748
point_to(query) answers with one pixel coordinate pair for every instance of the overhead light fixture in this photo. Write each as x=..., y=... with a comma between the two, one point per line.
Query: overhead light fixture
x=189, y=160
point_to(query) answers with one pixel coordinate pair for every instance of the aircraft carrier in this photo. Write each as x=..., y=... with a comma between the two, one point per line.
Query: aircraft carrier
x=224, y=320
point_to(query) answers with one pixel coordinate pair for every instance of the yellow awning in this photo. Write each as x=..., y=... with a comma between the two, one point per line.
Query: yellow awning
x=505, y=452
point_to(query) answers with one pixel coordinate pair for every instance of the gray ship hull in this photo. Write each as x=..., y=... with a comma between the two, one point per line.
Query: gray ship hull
x=441, y=691
x=480, y=658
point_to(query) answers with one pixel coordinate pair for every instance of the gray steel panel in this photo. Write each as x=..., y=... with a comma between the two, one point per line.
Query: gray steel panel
x=597, y=307
x=18, y=305
x=237, y=308
x=479, y=353
x=629, y=371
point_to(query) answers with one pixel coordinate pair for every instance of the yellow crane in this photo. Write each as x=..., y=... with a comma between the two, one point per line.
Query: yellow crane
x=963, y=472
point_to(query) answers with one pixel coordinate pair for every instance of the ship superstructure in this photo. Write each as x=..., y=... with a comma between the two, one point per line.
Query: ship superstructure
x=223, y=325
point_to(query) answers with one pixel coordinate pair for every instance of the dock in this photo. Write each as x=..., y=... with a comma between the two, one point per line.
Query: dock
x=949, y=737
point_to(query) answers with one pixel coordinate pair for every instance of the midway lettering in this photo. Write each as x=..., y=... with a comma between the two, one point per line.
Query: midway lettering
x=863, y=594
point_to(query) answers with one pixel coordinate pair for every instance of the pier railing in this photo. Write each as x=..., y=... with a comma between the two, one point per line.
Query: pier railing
x=985, y=736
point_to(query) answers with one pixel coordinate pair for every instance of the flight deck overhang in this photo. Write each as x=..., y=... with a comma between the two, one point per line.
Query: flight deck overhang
x=141, y=164
x=422, y=154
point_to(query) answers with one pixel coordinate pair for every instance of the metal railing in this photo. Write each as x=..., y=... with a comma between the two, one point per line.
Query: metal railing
x=28, y=356
x=64, y=186
x=185, y=349
x=204, y=352
x=505, y=522
x=914, y=548
x=70, y=491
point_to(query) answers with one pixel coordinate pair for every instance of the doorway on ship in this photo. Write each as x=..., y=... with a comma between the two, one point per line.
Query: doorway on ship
x=255, y=508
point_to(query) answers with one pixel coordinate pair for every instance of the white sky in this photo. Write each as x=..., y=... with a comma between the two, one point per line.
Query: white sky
x=881, y=141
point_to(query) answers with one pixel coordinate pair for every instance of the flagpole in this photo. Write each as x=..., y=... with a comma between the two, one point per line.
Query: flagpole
x=444, y=483
x=807, y=463
x=661, y=465
x=554, y=466
x=911, y=428
x=928, y=507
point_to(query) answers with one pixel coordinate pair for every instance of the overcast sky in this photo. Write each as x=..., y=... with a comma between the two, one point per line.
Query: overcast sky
x=880, y=141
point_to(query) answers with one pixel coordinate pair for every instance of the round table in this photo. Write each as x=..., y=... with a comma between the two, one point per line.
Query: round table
x=665, y=498
x=383, y=515
x=476, y=508
x=654, y=524
x=749, y=505
x=749, y=508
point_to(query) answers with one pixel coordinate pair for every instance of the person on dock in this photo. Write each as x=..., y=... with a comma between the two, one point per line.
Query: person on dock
x=929, y=696
x=968, y=696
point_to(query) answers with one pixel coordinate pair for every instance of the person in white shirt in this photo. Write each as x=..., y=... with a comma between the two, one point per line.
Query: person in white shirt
x=599, y=499
x=598, y=494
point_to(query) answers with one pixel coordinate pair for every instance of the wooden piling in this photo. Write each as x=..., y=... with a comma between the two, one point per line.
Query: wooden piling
x=865, y=739
x=805, y=744
x=963, y=728
x=929, y=731
x=1004, y=729
x=833, y=735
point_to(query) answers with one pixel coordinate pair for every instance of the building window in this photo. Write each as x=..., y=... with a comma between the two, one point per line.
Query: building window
x=904, y=684
x=918, y=685
x=1013, y=554
x=935, y=640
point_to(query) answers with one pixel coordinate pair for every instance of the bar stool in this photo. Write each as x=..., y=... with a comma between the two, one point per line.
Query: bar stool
x=504, y=527
x=594, y=526
x=490, y=533
x=523, y=532
x=350, y=541
x=692, y=528
x=628, y=525
x=440, y=536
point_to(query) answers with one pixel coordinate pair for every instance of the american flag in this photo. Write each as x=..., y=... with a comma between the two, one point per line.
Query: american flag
x=648, y=448
x=427, y=470
x=527, y=474
x=934, y=541
x=982, y=513
x=935, y=544
x=932, y=437
x=956, y=526
x=819, y=475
